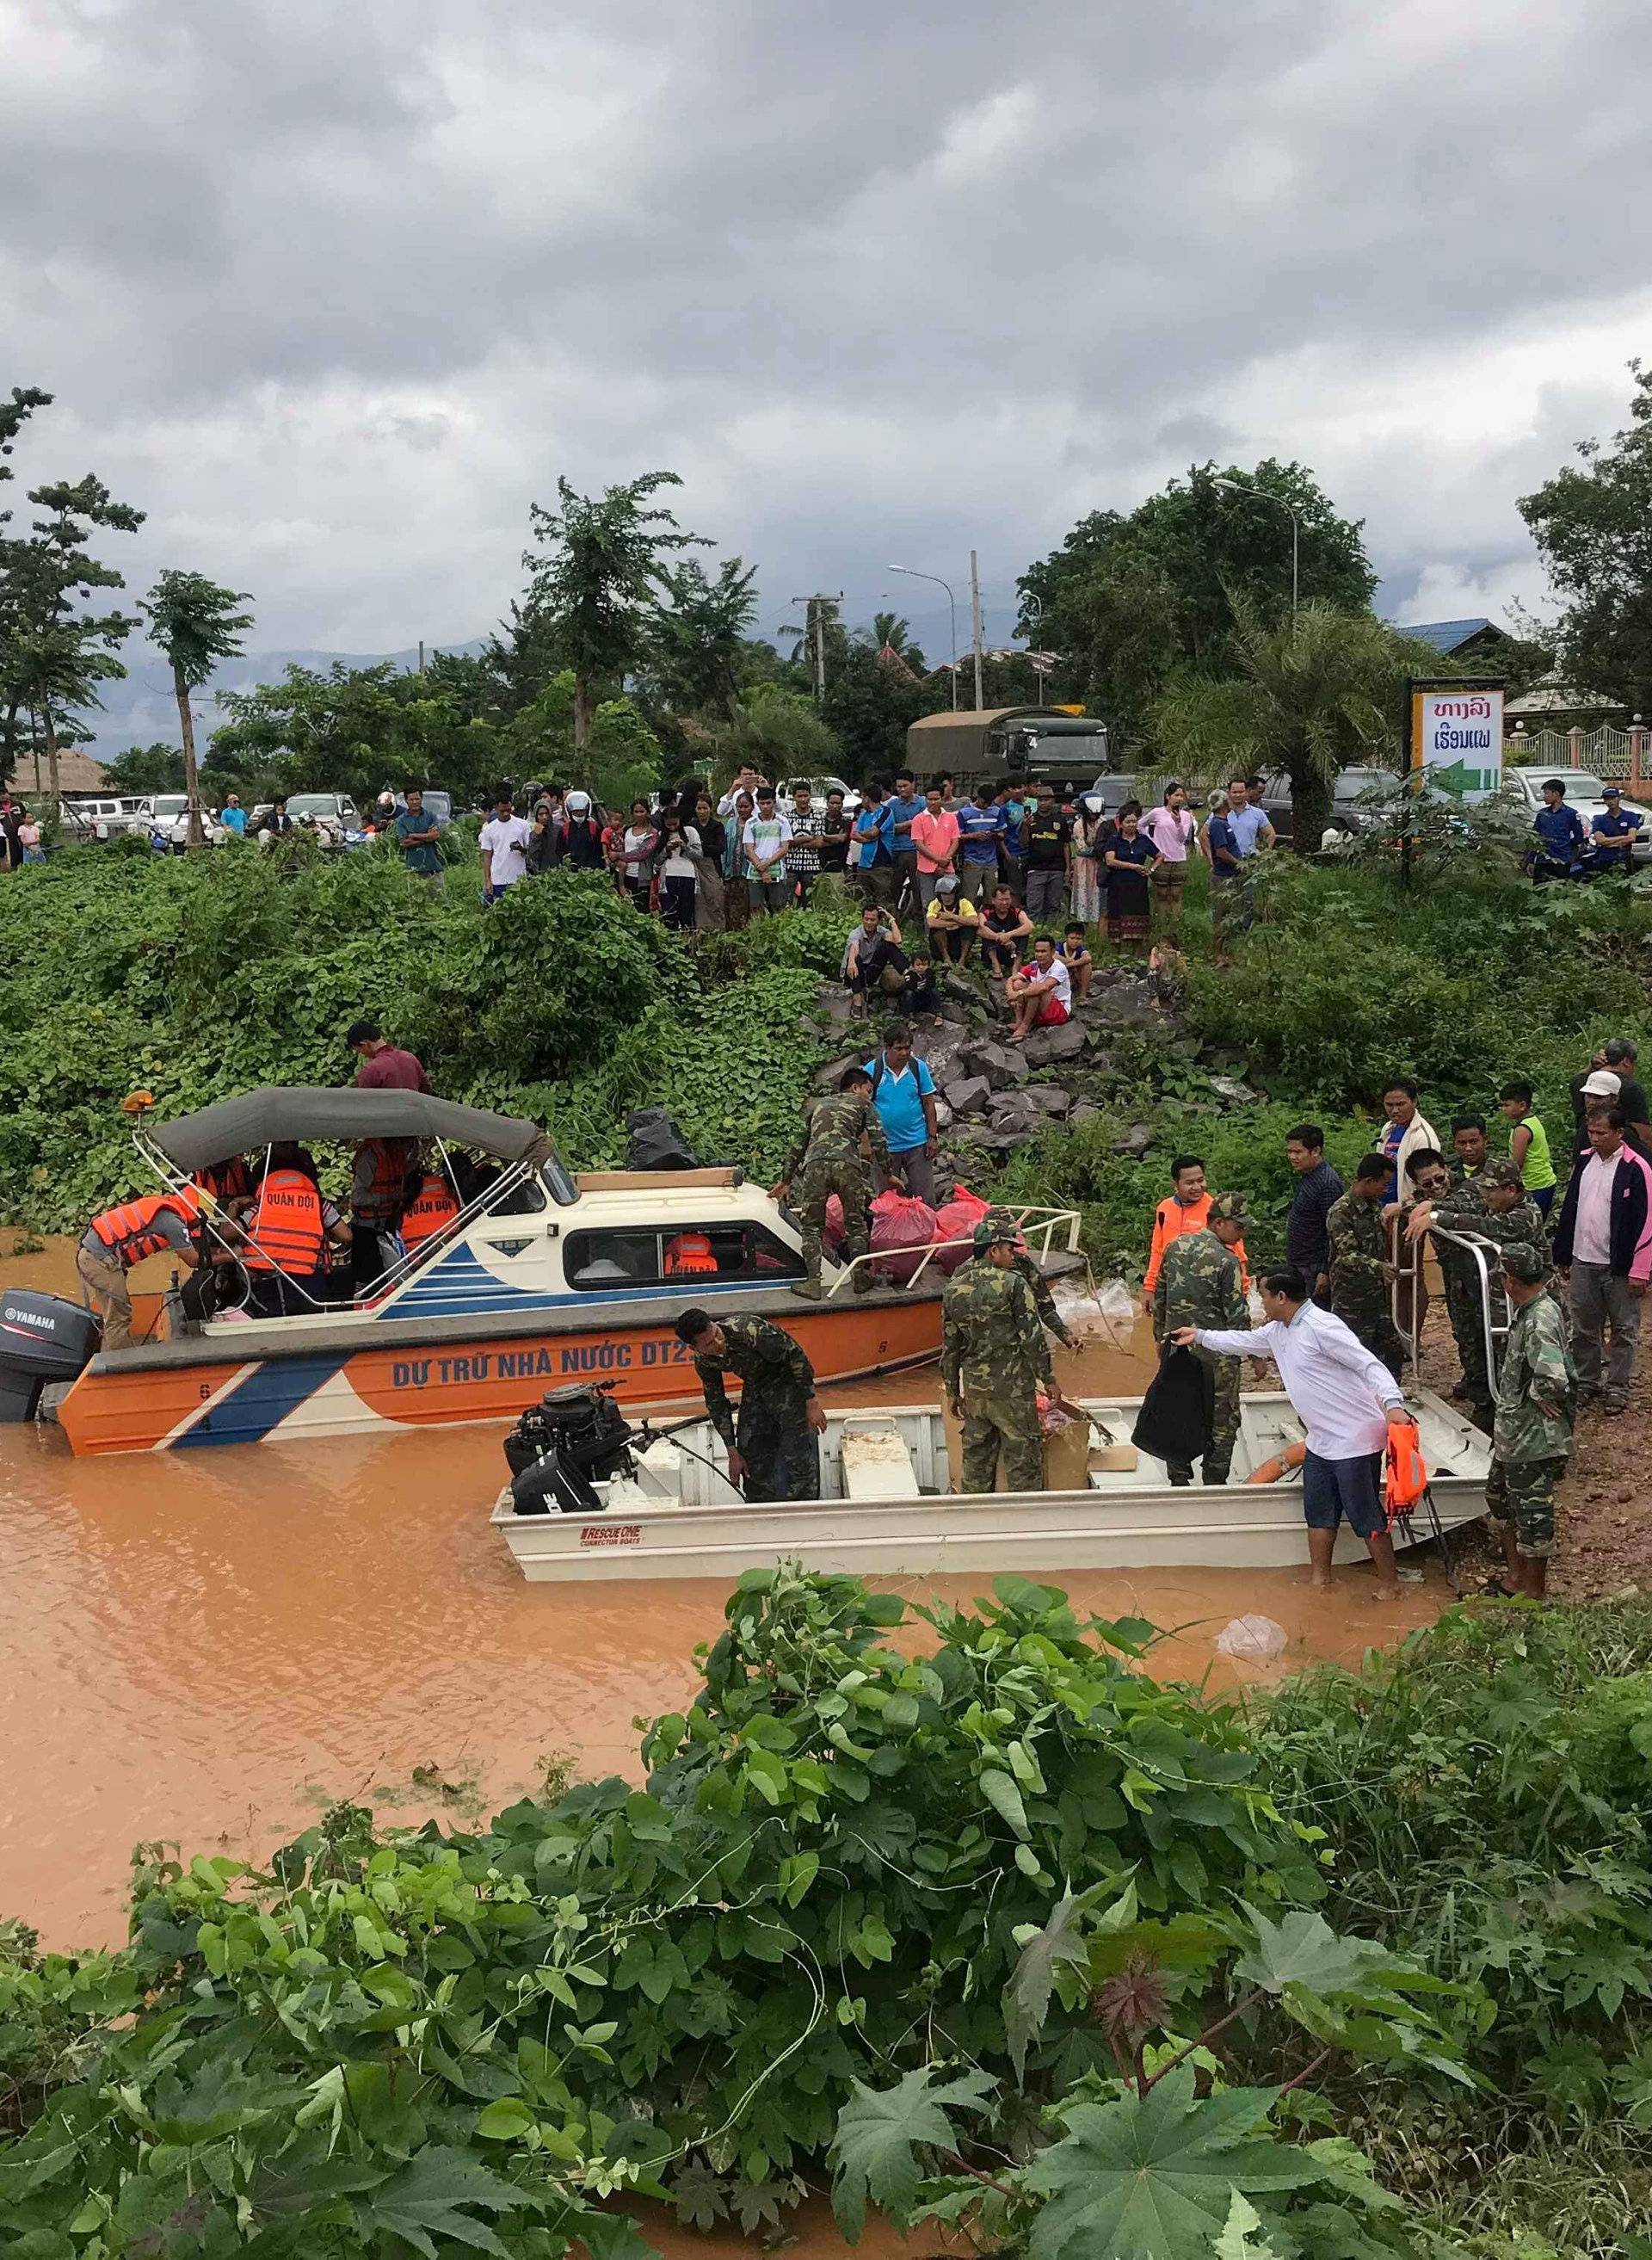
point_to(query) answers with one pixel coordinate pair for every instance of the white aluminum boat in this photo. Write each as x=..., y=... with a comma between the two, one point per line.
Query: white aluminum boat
x=888, y=1509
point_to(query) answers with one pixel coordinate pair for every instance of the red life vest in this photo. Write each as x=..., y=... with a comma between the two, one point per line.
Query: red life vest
x=432, y=1210
x=128, y=1231
x=287, y=1226
x=688, y=1255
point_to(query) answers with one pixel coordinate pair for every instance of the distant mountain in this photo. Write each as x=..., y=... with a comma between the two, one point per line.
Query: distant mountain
x=141, y=711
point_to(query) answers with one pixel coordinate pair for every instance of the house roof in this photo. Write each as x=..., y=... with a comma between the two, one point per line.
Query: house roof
x=1450, y=635
x=1553, y=696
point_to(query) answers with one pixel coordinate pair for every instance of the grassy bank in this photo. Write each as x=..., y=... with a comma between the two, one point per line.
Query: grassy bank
x=988, y=1925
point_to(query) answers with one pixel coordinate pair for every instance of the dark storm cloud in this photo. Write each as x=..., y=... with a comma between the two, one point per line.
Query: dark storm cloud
x=332, y=292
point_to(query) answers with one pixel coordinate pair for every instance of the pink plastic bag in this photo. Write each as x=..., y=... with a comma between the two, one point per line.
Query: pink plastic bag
x=956, y=1220
x=901, y=1223
x=832, y=1232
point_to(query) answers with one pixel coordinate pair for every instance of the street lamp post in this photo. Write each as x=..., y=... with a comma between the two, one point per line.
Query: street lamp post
x=912, y=574
x=1261, y=494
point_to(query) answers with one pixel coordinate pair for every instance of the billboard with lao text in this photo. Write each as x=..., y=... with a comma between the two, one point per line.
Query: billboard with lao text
x=1457, y=737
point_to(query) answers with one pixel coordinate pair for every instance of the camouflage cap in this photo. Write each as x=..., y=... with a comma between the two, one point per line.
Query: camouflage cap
x=999, y=1215
x=1500, y=1174
x=1227, y=1208
x=1525, y=1262
x=995, y=1229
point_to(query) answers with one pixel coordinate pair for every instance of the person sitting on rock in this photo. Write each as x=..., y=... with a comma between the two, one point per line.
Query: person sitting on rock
x=1075, y=954
x=952, y=923
x=1005, y=932
x=1041, y=995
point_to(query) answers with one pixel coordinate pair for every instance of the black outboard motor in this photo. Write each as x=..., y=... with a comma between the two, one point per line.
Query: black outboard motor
x=564, y=1445
x=43, y=1338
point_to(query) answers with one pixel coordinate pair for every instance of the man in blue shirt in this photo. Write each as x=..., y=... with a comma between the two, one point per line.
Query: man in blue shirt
x=872, y=848
x=1614, y=833
x=232, y=816
x=903, y=1094
x=980, y=831
x=1560, y=836
x=908, y=802
x=1013, y=862
x=1247, y=823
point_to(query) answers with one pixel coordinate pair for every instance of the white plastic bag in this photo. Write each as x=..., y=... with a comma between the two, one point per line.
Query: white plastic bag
x=1251, y=1640
x=1252, y=1304
x=1101, y=1317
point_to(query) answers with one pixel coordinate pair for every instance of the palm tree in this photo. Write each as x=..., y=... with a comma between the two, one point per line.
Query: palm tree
x=1312, y=696
x=891, y=632
x=195, y=624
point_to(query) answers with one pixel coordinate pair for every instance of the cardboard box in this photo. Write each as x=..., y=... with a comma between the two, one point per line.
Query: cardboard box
x=1066, y=1456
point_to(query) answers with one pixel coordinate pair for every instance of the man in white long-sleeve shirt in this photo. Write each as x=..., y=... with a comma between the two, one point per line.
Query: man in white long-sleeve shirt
x=1346, y=1399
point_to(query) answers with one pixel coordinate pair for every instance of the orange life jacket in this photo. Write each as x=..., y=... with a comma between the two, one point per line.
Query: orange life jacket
x=226, y=1181
x=128, y=1231
x=286, y=1224
x=1407, y=1478
x=688, y=1254
x=431, y=1211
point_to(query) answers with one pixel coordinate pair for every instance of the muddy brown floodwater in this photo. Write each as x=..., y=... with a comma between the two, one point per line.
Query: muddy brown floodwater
x=208, y=1648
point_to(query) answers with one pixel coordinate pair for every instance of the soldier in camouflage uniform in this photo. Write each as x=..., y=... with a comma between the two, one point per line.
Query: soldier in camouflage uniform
x=1537, y=1401
x=772, y=1450
x=1200, y=1284
x=827, y=1159
x=993, y=1356
x=1049, y=1317
x=1360, y=1271
x=1491, y=1205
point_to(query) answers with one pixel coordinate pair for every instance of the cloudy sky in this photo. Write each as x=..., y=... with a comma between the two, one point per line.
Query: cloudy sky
x=332, y=292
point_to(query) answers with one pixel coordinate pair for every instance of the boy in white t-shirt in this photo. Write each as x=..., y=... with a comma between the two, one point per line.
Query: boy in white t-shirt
x=1041, y=995
x=503, y=840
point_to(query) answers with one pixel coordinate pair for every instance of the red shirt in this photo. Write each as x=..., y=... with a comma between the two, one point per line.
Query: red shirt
x=390, y=1069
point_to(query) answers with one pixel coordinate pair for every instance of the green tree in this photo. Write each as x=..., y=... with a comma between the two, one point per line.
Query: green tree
x=777, y=730
x=596, y=579
x=14, y=414
x=355, y=729
x=1129, y=597
x=621, y=761
x=1593, y=527
x=193, y=622
x=697, y=640
x=1311, y=696
x=870, y=704
x=57, y=651
x=146, y=769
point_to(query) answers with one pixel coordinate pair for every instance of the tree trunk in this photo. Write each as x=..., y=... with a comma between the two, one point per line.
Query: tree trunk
x=51, y=758
x=582, y=710
x=1310, y=810
x=191, y=775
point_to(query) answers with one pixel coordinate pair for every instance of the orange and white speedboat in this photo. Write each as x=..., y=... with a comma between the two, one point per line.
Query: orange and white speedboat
x=542, y=1278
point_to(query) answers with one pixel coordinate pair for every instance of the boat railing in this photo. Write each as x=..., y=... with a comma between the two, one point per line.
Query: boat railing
x=233, y=1237
x=1045, y=1230
x=1408, y=1297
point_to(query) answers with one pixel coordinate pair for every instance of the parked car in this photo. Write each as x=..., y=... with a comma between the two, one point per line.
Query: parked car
x=820, y=786
x=331, y=816
x=1109, y=794
x=90, y=816
x=1583, y=793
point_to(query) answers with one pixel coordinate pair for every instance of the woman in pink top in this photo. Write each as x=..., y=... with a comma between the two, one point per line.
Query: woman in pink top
x=1172, y=831
x=935, y=842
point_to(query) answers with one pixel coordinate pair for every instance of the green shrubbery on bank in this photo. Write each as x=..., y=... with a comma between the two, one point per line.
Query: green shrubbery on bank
x=1003, y=1930
x=193, y=977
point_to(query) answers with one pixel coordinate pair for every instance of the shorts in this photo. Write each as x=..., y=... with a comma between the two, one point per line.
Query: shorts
x=1053, y=1015
x=1344, y=1491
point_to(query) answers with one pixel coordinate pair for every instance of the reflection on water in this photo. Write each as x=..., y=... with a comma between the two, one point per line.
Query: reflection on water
x=207, y=1646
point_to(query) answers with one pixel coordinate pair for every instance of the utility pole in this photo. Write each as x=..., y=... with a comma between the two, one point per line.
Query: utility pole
x=815, y=616
x=975, y=610
x=421, y=654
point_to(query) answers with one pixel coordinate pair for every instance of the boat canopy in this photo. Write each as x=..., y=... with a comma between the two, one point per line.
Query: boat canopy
x=281, y=1114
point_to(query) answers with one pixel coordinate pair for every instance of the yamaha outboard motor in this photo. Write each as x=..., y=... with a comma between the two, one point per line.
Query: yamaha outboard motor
x=44, y=1339
x=564, y=1445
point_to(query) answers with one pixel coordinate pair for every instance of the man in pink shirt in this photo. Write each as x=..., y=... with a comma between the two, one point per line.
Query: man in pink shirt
x=1172, y=831
x=935, y=842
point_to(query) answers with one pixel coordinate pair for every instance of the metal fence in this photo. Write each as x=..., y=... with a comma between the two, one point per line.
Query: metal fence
x=1624, y=756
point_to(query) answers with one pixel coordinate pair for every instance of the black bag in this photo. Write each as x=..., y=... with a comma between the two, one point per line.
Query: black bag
x=1178, y=1412
x=656, y=1143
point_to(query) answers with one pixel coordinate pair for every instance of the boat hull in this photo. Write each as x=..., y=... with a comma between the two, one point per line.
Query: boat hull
x=1237, y=1527
x=888, y=1511
x=348, y=1379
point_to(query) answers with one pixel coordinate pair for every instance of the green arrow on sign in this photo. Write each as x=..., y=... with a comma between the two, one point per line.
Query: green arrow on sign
x=1454, y=778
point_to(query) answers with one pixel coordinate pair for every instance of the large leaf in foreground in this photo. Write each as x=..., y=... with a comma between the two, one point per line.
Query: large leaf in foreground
x=872, y=2151
x=1152, y=2177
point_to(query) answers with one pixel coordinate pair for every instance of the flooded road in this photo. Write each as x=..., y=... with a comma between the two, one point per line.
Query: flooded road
x=208, y=1648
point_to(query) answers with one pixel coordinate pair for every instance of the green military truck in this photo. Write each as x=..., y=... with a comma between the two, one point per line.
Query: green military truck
x=1008, y=745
